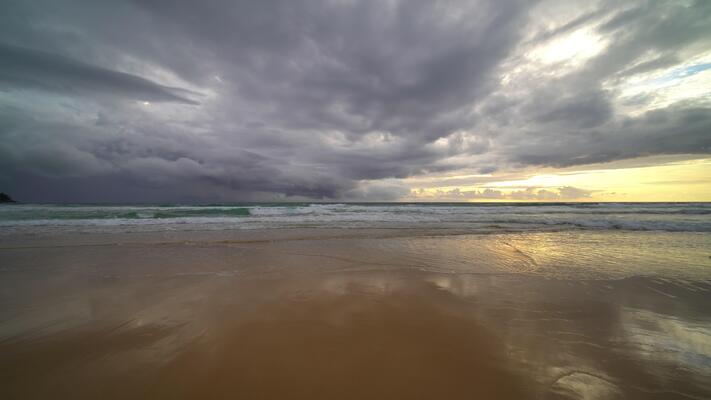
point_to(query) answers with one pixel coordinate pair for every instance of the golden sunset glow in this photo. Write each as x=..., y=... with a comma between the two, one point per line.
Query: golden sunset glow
x=684, y=180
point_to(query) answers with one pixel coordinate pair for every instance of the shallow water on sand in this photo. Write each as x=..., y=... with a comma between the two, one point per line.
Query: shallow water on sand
x=316, y=314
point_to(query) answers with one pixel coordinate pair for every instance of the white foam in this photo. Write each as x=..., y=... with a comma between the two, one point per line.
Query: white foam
x=692, y=217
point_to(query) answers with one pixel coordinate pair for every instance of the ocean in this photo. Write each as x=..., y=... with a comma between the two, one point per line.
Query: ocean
x=471, y=217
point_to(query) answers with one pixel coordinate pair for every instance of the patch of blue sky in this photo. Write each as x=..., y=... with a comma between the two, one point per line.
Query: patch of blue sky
x=681, y=73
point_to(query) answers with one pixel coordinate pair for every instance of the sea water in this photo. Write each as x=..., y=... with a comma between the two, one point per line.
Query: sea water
x=472, y=217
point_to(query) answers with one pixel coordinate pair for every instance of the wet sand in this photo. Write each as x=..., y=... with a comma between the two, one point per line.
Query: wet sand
x=356, y=314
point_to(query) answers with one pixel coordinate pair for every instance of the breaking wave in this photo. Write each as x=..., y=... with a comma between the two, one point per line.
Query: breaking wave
x=489, y=217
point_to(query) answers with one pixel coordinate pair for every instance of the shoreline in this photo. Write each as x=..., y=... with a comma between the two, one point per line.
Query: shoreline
x=553, y=254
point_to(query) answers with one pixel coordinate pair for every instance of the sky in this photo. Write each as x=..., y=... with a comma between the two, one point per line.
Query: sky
x=344, y=100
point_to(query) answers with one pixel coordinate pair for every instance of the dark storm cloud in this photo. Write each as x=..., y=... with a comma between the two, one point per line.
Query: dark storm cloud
x=356, y=67
x=320, y=99
x=579, y=110
x=22, y=67
x=667, y=131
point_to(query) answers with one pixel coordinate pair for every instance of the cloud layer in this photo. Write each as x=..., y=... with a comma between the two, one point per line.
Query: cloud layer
x=241, y=100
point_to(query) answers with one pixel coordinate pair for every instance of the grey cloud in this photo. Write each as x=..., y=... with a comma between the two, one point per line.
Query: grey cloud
x=319, y=99
x=22, y=67
x=651, y=65
x=668, y=131
x=357, y=66
x=378, y=191
x=579, y=110
x=571, y=119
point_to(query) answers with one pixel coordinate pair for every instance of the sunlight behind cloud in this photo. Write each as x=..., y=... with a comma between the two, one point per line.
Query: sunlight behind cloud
x=573, y=49
x=685, y=180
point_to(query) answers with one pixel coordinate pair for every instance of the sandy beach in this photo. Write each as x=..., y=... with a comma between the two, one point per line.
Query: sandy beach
x=354, y=314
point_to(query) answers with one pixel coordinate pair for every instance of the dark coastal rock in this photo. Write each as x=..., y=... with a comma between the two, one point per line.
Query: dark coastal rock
x=4, y=198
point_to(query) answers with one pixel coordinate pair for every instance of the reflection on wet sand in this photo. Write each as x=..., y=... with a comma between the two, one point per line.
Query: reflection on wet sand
x=304, y=341
x=309, y=319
